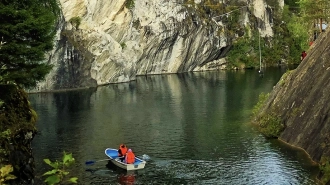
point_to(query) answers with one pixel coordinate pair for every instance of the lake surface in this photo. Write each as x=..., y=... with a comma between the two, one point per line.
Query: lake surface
x=195, y=127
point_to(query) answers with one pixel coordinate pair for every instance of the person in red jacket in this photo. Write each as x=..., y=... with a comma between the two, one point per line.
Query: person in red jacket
x=130, y=157
x=303, y=55
x=122, y=152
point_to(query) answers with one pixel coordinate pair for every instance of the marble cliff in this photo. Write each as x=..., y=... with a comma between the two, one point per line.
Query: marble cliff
x=115, y=42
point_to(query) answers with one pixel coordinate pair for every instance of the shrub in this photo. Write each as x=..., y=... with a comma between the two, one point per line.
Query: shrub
x=262, y=99
x=75, y=21
x=270, y=125
x=59, y=172
x=123, y=45
x=129, y=4
x=325, y=169
x=5, y=174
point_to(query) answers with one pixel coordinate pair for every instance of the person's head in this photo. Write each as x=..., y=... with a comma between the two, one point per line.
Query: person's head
x=129, y=150
x=122, y=146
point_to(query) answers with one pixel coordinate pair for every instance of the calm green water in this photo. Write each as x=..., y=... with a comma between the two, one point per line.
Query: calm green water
x=194, y=126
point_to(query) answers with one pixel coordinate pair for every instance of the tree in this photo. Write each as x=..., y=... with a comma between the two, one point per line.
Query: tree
x=27, y=30
x=303, y=23
x=315, y=11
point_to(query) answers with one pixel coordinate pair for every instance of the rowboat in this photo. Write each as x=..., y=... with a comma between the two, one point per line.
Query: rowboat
x=113, y=155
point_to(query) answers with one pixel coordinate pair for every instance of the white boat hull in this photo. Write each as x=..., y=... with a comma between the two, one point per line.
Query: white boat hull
x=113, y=155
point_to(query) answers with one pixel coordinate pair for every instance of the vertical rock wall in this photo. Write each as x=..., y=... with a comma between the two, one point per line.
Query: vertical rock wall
x=114, y=43
x=301, y=100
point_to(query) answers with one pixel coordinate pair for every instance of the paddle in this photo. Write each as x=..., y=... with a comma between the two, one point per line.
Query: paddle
x=92, y=162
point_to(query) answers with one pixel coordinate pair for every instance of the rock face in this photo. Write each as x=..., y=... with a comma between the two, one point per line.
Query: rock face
x=116, y=42
x=17, y=129
x=301, y=100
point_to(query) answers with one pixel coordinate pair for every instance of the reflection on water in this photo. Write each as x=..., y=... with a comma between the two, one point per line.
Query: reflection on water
x=194, y=126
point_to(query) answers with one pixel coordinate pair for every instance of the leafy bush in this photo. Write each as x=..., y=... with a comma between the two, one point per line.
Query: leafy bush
x=129, y=4
x=5, y=174
x=270, y=125
x=262, y=99
x=75, y=21
x=123, y=45
x=325, y=169
x=59, y=172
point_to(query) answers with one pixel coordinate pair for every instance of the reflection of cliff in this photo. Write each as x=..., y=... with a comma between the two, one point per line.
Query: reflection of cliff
x=55, y=114
x=115, y=43
x=301, y=100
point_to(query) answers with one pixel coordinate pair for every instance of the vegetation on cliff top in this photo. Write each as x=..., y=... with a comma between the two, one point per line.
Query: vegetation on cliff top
x=284, y=46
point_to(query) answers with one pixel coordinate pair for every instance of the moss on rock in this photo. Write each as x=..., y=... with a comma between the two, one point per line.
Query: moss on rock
x=17, y=128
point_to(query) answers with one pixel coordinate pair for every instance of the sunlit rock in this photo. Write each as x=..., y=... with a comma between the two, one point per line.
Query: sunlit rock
x=114, y=42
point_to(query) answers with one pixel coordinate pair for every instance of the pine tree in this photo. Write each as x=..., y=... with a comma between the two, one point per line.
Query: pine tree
x=27, y=29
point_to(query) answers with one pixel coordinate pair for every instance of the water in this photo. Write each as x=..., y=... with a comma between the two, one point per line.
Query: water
x=194, y=126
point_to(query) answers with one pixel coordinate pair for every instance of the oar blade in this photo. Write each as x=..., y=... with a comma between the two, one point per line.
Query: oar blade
x=89, y=162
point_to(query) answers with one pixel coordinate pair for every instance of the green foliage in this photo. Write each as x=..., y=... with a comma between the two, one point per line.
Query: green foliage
x=129, y=4
x=300, y=20
x=290, y=37
x=123, y=45
x=16, y=118
x=270, y=125
x=16, y=112
x=261, y=101
x=325, y=169
x=284, y=77
x=75, y=21
x=291, y=3
x=244, y=52
x=59, y=172
x=5, y=174
x=5, y=137
x=27, y=29
x=314, y=9
x=299, y=33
